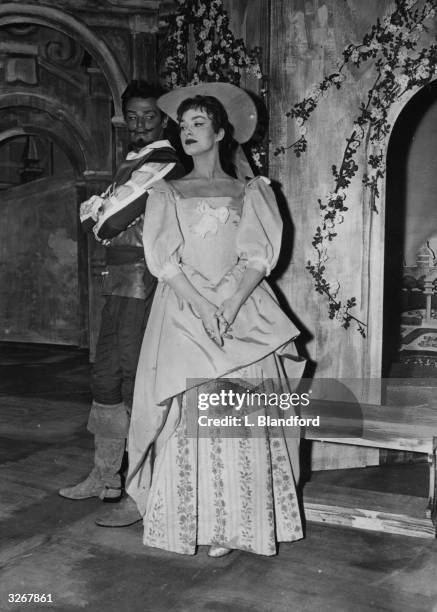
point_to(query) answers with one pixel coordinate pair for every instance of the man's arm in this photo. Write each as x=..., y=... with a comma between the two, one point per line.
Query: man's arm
x=97, y=209
x=128, y=200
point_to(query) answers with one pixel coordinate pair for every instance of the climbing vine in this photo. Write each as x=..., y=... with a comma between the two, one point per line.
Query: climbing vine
x=201, y=47
x=400, y=63
x=218, y=55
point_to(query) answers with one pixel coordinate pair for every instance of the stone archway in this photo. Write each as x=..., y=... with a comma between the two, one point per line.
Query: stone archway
x=78, y=121
x=53, y=123
x=13, y=13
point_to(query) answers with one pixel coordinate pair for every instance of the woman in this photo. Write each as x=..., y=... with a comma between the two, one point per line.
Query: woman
x=211, y=239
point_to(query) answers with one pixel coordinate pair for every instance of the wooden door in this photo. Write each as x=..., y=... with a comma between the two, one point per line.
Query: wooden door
x=39, y=280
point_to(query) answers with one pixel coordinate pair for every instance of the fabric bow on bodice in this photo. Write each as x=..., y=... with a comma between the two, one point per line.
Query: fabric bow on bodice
x=208, y=223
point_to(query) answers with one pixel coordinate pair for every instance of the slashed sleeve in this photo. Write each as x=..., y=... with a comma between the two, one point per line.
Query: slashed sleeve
x=260, y=229
x=162, y=236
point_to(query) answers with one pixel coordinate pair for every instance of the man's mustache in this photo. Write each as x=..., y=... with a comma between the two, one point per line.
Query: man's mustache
x=143, y=131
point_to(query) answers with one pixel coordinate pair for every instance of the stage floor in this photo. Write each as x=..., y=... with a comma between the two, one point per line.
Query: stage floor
x=51, y=545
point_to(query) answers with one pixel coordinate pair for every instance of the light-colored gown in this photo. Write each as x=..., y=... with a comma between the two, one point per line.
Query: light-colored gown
x=237, y=492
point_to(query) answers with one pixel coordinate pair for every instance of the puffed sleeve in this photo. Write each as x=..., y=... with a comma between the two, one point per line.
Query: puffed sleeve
x=162, y=237
x=260, y=229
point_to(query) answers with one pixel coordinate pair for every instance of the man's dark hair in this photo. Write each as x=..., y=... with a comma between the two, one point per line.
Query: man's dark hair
x=140, y=89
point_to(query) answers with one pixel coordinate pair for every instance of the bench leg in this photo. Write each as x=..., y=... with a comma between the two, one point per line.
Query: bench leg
x=431, y=510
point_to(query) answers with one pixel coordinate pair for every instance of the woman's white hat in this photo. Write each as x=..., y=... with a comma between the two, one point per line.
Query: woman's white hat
x=238, y=104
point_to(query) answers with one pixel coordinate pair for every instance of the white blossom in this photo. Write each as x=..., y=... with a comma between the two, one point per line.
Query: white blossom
x=256, y=158
x=355, y=56
x=423, y=71
x=392, y=28
x=341, y=313
x=403, y=81
x=338, y=78
x=402, y=55
x=377, y=114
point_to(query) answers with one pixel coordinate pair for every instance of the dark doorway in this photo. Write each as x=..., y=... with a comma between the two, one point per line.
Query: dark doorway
x=410, y=336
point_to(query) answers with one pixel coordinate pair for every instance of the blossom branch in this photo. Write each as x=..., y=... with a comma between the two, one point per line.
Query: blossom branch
x=388, y=44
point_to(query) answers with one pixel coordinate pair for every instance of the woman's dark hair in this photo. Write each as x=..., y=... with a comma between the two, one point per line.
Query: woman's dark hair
x=140, y=89
x=219, y=118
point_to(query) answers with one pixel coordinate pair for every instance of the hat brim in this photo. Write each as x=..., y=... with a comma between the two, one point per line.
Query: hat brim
x=238, y=104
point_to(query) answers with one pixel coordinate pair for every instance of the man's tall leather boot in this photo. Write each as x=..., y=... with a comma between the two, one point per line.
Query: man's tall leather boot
x=109, y=424
x=104, y=479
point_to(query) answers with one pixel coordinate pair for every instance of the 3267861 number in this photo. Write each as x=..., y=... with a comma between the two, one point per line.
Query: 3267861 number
x=30, y=597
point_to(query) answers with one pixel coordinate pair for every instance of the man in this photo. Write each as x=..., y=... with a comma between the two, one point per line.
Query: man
x=116, y=218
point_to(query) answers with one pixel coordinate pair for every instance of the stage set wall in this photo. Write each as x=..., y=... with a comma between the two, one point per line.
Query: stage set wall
x=302, y=41
x=306, y=43
x=63, y=66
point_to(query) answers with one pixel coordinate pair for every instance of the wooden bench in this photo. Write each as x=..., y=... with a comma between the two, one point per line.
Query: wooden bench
x=400, y=427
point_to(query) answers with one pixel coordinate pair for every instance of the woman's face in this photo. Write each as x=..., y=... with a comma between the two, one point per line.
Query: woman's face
x=197, y=132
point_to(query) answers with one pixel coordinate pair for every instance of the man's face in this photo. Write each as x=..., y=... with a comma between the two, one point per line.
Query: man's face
x=144, y=121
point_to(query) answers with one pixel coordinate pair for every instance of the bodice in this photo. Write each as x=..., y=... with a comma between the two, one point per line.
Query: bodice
x=209, y=227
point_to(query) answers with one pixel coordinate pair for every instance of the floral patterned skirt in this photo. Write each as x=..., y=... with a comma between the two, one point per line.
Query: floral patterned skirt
x=237, y=492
